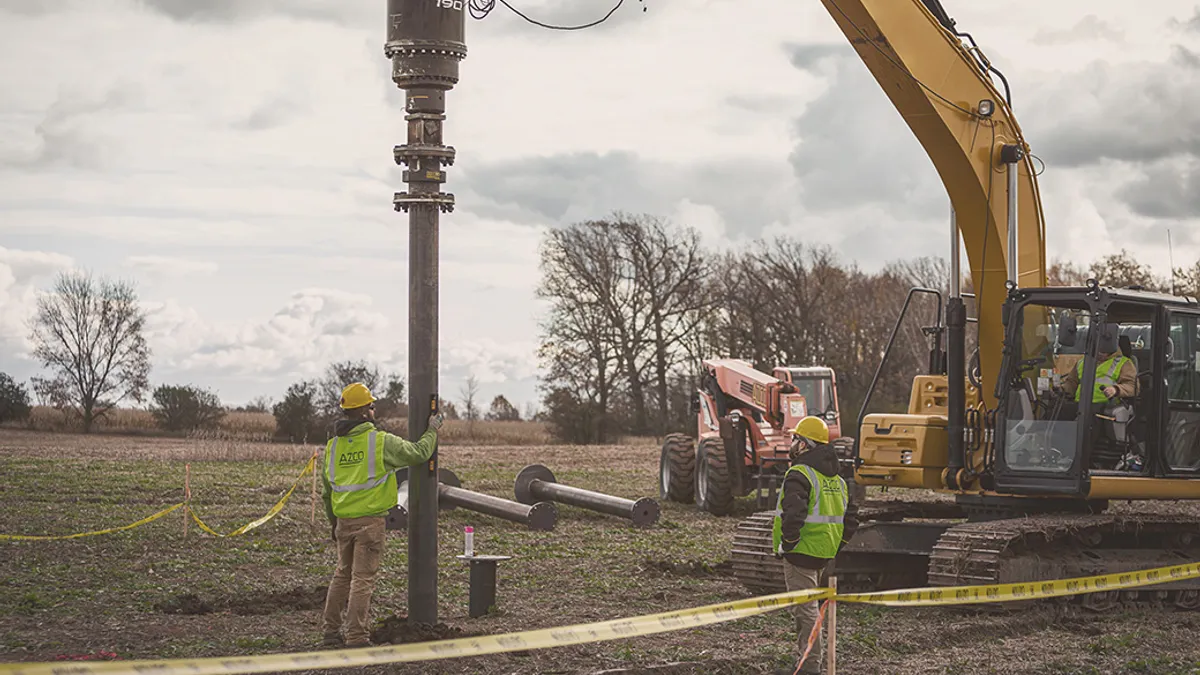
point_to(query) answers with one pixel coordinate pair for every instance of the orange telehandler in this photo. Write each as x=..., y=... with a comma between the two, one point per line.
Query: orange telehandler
x=744, y=418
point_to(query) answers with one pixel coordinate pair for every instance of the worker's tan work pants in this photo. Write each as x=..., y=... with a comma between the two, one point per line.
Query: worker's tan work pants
x=799, y=579
x=360, y=550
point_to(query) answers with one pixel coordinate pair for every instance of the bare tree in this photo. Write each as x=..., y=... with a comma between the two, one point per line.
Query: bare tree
x=467, y=394
x=670, y=270
x=339, y=375
x=1123, y=270
x=88, y=332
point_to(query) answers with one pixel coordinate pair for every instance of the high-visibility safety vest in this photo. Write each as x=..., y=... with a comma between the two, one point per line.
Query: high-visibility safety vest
x=354, y=466
x=821, y=535
x=1107, y=374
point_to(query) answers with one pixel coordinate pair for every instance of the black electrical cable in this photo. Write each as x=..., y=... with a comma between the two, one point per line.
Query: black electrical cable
x=898, y=65
x=481, y=8
x=1043, y=162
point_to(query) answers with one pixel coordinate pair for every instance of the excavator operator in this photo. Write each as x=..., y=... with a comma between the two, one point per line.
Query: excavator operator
x=1115, y=384
x=1116, y=376
x=814, y=518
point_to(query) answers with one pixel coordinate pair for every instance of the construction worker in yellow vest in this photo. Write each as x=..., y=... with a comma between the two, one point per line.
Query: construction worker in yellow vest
x=814, y=518
x=1116, y=376
x=359, y=489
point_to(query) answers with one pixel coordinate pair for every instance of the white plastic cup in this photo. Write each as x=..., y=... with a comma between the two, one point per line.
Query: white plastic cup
x=469, y=534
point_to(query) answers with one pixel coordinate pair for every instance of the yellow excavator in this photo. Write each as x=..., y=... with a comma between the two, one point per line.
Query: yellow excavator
x=1075, y=398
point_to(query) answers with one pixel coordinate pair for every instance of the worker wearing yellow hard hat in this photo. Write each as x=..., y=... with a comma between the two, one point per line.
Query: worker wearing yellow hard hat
x=814, y=518
x=359, y=489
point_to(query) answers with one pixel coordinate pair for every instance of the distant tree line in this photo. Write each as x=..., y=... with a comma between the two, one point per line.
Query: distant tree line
x=88, y=334
x=636, y=303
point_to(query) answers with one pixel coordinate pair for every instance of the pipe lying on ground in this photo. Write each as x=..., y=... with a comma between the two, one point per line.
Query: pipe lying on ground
x=537, y=516
x=537, y=483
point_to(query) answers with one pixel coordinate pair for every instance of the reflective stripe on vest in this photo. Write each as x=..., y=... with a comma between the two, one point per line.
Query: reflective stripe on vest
x=372, y=481
x=361, y=485
x=1103, y=379
x=821, y=534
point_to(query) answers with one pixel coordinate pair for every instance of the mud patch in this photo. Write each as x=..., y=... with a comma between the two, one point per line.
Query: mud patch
x=690, y=568
x=254, y=604
x=397, y=630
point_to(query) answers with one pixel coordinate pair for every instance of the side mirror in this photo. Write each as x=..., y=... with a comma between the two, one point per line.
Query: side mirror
x=1067, y=331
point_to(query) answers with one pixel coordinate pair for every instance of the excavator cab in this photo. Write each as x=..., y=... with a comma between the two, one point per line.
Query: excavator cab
x=1056, y=438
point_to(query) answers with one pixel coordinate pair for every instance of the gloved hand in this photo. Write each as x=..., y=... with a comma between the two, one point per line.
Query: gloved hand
x=333, y=530
x=436, y=421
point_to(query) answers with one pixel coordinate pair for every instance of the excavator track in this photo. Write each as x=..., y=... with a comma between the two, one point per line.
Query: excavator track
x=1038, y=548
x=887, y=554
x=929, y=549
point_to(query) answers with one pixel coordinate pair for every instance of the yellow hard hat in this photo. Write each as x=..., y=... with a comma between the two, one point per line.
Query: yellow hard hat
x=812, y=428
x=356, y=396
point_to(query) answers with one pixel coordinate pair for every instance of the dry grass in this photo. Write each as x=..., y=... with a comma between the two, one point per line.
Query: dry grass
x=240, y=428
x=79, y=596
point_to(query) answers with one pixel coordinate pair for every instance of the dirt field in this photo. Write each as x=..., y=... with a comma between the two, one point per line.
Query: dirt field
x=149, y=593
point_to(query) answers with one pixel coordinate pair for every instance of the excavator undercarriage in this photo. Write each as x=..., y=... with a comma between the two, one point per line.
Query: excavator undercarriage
x=918, y=544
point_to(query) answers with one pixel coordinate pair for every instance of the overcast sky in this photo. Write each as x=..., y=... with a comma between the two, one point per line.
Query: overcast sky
x=234, y=159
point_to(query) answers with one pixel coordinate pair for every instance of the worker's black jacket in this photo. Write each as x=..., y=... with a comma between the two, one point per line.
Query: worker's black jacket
x=796, y=488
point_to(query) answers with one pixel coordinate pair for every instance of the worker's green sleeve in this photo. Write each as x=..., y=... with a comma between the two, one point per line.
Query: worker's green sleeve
x=399, y=453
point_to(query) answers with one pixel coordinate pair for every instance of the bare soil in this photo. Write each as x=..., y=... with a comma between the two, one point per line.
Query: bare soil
x=151, y=592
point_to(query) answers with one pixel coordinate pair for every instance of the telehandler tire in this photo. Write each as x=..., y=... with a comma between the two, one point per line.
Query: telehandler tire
x=714, y=491
x=677, y=469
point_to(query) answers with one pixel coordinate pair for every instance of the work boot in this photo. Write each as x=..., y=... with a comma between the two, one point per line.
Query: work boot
x=358, y=643
x=332, y=640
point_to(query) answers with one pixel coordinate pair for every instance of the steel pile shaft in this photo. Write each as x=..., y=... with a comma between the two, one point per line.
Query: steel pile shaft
x=537, y=483
x=539, y=516
x=425, y=42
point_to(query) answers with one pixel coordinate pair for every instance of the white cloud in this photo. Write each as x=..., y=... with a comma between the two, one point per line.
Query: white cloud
x=251, y=159
x=167, y=266
x=21, y=273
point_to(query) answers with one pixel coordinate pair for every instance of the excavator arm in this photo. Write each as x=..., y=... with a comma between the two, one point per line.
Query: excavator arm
x=942, y=88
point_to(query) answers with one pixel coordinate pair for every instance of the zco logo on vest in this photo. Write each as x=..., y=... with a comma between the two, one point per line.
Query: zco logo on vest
x=351, y=457
x=831, y=484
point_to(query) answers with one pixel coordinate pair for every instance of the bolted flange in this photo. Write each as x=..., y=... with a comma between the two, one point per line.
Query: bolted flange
x=523, y=485
x=543, y=516
x=645, y=512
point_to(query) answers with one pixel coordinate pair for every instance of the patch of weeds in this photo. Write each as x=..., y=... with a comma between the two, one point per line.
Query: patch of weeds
x=257, y=642
x=1112, y=644
x=1160, y=665
x=1061, y=667
x=868, y=642
x=32, y=601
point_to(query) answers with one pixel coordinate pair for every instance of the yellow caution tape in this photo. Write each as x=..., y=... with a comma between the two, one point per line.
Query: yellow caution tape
x=1029, y=590
x=269, y=515
x=604, y=630
x=143, y=521
x=149, y=519
x=441, y=649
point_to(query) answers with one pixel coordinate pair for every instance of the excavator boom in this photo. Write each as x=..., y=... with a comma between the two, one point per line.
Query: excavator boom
x=941, y=88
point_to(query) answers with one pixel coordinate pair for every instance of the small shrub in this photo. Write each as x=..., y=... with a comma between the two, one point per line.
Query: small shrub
x=503, y=411
x=14, y=400
x=186, y=408
x=298, y=417
x=571, y=419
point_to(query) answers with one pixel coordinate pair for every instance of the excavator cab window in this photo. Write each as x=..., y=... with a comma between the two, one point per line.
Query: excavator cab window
x=1182, y=441
x=1041, y=430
